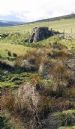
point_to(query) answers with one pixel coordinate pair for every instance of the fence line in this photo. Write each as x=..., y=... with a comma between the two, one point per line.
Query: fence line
x=69, y=35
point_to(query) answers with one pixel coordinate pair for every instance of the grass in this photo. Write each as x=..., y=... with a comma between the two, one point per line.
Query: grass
x=60, y=25
x=18, y=49
x=14, y=79
x=7, y=84
x=14, y=38
x=14, y=44
x=18, y=34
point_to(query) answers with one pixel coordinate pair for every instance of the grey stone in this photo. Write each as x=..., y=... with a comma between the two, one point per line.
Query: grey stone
x=40, y=33
x=71, y=64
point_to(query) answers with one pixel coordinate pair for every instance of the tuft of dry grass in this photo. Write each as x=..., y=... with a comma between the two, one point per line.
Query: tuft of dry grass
x=7, y=101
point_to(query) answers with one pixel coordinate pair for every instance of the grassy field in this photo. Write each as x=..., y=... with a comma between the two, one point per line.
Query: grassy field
x=18, y=49
x=14, y=42
x=59, y=25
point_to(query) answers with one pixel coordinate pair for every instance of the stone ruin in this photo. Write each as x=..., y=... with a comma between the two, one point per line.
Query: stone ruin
x=40, y=33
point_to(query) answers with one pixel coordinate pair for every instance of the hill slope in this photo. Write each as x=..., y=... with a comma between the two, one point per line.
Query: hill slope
x=66, y=23
x=8, y=23
x=70, y=16
x=37, y=80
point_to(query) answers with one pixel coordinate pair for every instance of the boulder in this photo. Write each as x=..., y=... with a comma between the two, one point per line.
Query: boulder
x=27, y=65
x=71, y=64
x=40, y=33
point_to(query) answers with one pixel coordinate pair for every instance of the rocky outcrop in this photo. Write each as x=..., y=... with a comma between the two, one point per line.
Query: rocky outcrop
x=27, y=65
x=40, y=33
x=71, y=64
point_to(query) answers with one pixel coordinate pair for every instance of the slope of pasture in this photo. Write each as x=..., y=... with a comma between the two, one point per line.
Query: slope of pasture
x=60, y=25
x=17, y=77
x=17, y=49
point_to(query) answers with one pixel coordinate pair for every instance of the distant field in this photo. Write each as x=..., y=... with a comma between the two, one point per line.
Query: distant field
x=13, y=42
x=66, y=25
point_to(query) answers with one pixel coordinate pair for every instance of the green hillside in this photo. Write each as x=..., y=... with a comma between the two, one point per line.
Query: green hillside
x=37, y=80
x=60, y=25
